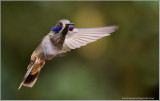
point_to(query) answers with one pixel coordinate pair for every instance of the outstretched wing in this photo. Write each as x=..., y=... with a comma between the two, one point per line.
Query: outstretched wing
x=82, y=36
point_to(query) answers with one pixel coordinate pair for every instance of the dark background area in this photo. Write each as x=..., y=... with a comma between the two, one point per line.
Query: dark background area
x=125, y=64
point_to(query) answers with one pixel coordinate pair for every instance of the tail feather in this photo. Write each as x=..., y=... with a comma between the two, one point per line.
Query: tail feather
x=32, y=74
x=30, y=80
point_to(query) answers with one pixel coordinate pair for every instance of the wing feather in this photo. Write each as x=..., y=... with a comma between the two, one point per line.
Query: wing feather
x=81, y=37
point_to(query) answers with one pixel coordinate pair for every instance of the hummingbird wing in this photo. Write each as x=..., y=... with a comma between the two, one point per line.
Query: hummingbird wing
x=82, y=36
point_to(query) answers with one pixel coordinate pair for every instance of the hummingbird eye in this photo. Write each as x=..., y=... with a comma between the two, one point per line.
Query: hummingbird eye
x=60, y=24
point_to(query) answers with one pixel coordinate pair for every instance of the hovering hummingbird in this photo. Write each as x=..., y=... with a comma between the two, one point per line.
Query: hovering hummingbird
x=62, y=38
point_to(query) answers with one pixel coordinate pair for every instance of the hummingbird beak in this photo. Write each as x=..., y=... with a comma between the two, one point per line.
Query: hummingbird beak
x=70, y=24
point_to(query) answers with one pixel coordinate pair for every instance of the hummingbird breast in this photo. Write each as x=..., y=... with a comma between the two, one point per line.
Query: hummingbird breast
x=48, y=48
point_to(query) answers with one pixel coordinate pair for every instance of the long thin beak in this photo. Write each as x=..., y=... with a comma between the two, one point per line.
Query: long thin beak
x=70, y=24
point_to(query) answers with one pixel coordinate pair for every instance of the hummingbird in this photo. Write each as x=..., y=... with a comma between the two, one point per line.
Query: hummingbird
x=63, y=37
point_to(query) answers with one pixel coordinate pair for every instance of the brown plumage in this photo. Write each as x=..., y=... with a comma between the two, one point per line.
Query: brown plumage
x=34, y=69
x=61, y=39
x=49, y=48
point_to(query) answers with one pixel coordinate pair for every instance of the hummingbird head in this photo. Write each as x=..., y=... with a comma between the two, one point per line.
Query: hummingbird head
x=59, y=32
x=63, y=26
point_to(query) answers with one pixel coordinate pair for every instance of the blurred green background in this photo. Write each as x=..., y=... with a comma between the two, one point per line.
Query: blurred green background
x=125, y=64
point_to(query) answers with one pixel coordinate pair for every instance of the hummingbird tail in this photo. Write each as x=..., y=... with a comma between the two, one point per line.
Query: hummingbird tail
x=31, y=76
x=30, y=80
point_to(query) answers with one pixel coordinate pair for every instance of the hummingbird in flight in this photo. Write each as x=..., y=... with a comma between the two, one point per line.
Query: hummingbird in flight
x=62, y=38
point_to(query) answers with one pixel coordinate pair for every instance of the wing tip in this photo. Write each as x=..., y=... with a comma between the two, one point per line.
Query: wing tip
x=116, y=27
x=113, y=28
